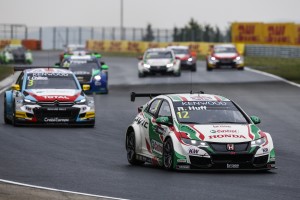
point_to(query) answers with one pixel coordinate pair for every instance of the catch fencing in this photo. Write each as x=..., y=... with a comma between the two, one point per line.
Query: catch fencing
x=272, y=51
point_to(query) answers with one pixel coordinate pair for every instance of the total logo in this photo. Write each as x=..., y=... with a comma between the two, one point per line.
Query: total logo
x=224, y=131
x=56, y=97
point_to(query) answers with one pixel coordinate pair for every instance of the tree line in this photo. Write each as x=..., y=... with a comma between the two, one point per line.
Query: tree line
x=194, y=31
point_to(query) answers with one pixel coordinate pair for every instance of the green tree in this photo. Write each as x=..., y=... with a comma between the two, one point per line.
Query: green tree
x=149, y=36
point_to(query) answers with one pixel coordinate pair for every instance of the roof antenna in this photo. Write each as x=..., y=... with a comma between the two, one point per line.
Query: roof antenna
x=191, y=82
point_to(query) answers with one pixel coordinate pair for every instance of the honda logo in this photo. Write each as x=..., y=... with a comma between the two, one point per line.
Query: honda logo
x=230, y=147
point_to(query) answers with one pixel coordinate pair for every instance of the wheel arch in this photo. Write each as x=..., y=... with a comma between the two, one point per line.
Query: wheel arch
x=138, y=138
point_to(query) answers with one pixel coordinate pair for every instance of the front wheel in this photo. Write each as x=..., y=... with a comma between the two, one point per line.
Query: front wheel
x=194, y=67
x=178, y=73
x=130, y=148
x=168, y=154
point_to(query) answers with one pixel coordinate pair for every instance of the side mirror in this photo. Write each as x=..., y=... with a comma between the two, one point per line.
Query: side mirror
x=177, y=58
x=97, y=55
x=57, y=65
x=16, y=87
x=164, y=120
x=86, y=87
x=255, y=120
x=104, y=67
x=140, y=57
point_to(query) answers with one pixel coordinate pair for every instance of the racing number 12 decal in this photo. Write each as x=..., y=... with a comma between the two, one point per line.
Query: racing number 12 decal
x=183, y=114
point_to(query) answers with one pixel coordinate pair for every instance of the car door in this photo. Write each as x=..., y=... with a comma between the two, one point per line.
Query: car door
x=147, y=125
x=160, y=131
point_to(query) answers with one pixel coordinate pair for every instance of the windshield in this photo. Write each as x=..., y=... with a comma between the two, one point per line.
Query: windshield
x=51, y=81
x=208, y=112
x=181, y=51
x=158, y=55
x=225, y=50
x=83, y=68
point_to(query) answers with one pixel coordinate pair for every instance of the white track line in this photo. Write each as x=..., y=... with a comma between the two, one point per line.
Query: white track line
x=273, y=76
x=56, y=190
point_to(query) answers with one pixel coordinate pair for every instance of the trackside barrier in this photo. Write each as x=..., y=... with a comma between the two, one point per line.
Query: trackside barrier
x=201, y=48
x=29, y=44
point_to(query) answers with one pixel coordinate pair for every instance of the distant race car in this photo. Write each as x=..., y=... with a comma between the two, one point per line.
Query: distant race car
x=224, y=55
x=89, y=70
x=197, y=131
x=159, y=60
x=15, y=53
x=188, y=59
x=48, y=96
x=77, y=50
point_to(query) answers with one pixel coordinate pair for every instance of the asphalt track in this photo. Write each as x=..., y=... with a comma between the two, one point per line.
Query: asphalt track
x=94, y=160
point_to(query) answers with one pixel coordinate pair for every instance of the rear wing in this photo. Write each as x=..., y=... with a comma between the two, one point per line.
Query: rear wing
x=133, y=95
x=22, y=68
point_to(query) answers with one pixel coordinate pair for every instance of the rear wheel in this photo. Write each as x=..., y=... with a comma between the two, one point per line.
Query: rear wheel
x=168, y=154
x=130, y=148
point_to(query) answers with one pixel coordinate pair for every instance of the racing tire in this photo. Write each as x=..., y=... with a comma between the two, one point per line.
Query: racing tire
x=208, y=68
x=168, y=154
x=240, y=68
x=194, y=67
x=141, y=75
x=177, y=73
x=130, y=149
x=13, y=121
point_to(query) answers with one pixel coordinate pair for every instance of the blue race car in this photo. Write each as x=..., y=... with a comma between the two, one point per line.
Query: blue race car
x=88, y=70
x=48, y=96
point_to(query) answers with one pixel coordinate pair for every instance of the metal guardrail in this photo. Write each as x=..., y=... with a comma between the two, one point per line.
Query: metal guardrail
x=272, y=51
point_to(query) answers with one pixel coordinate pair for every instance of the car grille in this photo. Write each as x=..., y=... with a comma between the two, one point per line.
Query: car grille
x=225, y=61
x=231, y=158
x=84, y=78
x=238, y=147
x=19, y=56
x=69, y=113
x=55, y=104
x=158, y=68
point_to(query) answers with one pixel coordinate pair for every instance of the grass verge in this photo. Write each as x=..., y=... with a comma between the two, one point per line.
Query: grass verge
x=288, y=68
x=5, y=71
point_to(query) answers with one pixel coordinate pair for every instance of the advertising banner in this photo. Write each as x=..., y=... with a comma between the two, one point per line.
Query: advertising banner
x=249, y=33
x=279, y=33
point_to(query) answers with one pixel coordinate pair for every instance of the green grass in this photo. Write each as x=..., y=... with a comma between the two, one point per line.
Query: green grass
x=5, y=71
x=288, y=68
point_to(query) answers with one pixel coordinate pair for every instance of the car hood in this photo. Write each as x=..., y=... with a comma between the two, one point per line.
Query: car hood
x=225, y=55
x=49, y=95
x=158, y=62
x=222, y=133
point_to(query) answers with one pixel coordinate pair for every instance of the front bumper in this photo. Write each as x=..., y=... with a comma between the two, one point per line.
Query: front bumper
x=54, y=116
x=217, y=157
x=225, y=62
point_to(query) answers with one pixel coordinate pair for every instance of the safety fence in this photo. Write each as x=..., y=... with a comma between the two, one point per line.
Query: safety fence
x=272, y=51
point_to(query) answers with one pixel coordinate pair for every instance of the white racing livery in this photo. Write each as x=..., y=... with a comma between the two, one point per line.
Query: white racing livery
x=159, y=60
x=197, y=131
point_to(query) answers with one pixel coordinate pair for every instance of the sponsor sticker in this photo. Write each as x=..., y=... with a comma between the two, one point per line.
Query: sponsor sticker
x=55, y=119
x=157, y=147
x=233, y=166
x=193, y=150
x=226, y=136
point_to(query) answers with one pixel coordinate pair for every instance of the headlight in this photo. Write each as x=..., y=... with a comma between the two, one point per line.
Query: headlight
x=258, y=142
x=213, y=58
x=195, y=142
x=97, y=78
x=170, y=65
x=238, y=58
x=190, y=59
x=82, y=101
x=27, y=101
x=147, y=65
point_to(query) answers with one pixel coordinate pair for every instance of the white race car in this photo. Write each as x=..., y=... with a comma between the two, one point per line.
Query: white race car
x=197, y=131
x=159, y=60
